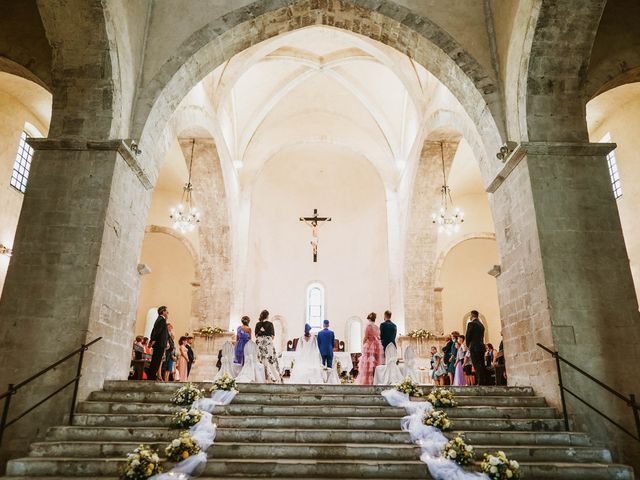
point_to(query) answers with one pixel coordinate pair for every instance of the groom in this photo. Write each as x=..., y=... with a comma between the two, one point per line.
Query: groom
x=325, y=344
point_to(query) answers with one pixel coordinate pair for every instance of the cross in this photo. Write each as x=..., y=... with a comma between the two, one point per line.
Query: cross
x=313, y=223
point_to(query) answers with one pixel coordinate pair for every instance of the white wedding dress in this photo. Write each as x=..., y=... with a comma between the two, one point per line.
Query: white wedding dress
x=307, y=366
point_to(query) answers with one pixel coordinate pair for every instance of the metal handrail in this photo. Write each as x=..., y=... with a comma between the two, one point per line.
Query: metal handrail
x=13, y=389
x=629, y=400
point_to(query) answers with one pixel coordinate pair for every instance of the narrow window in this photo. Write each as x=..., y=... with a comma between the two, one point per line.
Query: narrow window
x=315, y=305
x=22, y=165
x=613, y=168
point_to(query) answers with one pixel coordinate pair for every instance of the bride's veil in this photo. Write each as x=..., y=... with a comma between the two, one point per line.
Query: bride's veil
x=308, y=353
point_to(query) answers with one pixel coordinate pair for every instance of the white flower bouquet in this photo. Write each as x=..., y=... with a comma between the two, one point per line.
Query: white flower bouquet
x=441, y=397
x=186, y=418
x=182, y=448
x=186, y=395
x=437, y=419
x=210, y=331
x=420, y=334
x=141, y=464
x=498, y=467
x=409, y=387
x=226, y=383
x=458, y=451
x=346, y=379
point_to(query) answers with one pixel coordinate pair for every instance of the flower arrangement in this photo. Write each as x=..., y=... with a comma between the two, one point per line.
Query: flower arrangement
x=420, y=334
x=458, y=451
x=499, y=467
x=186, y=418
x=182, y=447
x=437, y=419
x=226, y=383
x=210, y=331
x=339, y=367
x=441, y=397
x=409, y=387
x=141, y=464
x=346, y=379
x=186, y=395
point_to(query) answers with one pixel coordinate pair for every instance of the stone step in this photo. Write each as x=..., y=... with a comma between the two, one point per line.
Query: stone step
x=146, y=435
x=320, y=451
x=243, y=468
x=315, y=410
x=298, y=468
x=148, y=386
x=291, y=435
x=315, y=399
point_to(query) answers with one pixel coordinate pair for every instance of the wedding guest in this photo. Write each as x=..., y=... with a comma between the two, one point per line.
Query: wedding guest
x=190, y=352
x=138, y=359
x=265, y=334
x=183, y=359
x=170, y=361
x=458, y=379
x=489, y=356
x=326, y=340
x=158, y=341
x=388, y=331
x=450, y=359
x=438, y=366
x=475, y=343
x=243, y=335
x=372, y=354
x=467, y=367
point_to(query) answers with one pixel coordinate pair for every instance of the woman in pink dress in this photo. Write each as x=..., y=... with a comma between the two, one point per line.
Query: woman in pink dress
x=183, y=359
x=372, y=353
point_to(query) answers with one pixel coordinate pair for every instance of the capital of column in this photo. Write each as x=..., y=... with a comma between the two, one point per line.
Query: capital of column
x=585, y=149
x=118, y=145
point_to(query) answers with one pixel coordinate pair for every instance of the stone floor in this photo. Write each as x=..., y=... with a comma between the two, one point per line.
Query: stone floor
x=313, y=432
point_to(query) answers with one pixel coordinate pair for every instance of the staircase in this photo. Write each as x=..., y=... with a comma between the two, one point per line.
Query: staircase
x=313, y=432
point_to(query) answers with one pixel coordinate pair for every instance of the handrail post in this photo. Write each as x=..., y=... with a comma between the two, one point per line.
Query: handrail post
x=5, y=411
x=562, y=399
x=636, y=414
x=76, y=385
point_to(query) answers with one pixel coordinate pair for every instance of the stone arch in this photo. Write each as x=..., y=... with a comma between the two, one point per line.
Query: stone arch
x=416, y=36
x=351, y=341
x=443, y=255
x=181, y=238
x=556, y=77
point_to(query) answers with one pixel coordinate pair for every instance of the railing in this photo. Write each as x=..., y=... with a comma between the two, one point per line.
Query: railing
x=630, y=400
x=13, y=389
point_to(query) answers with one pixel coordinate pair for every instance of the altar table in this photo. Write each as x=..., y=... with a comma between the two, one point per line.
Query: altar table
x=287, y=358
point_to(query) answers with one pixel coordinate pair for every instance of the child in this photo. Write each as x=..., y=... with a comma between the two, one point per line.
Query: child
x=438, y=366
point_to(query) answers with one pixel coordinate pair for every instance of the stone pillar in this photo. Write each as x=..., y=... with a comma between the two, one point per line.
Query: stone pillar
x=565, y=281
x=72, y=277
x=438, y=315
x=422, y=237
x=213, y=233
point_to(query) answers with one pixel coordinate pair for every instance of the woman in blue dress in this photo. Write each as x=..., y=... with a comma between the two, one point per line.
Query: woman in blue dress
x=243, y=335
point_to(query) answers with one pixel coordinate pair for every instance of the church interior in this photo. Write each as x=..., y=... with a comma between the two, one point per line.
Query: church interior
x=470, y=155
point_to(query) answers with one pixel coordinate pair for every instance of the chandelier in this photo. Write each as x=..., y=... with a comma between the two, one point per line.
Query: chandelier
x=185, y=215
x=448, y=218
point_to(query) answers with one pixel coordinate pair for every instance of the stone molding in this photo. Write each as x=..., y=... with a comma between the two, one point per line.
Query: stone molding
x=118, y=145
x=547, y=148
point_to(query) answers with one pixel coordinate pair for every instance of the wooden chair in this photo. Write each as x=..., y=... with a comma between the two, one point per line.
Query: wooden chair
x=338, y=345
x=292, y=344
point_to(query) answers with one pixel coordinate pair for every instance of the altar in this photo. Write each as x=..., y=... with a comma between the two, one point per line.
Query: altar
x=286, y=361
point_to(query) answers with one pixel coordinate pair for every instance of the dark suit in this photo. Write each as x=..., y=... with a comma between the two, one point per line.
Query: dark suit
x=388, y=331
x=475, y=342
x=192, y=358
x=326, y=339
x=159, y=337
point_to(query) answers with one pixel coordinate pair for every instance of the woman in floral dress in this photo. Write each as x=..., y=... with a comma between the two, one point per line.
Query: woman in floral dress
x=267, y=356
x=372, y=353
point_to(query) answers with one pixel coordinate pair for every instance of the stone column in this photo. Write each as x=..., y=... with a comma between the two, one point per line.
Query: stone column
x=438, y=315
x=422, y=237
x=213, y=232
x=565, y=280
x=72, y=277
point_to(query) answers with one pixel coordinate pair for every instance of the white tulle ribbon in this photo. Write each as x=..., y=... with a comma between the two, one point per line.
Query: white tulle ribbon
x=430, y=439
x=203, y=433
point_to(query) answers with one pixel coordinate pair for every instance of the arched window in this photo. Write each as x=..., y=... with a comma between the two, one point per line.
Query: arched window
x=315, y=305
x=354, y=334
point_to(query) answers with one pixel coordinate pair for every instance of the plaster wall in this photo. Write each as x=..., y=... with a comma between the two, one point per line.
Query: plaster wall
x=353, y=254
x=169, y=283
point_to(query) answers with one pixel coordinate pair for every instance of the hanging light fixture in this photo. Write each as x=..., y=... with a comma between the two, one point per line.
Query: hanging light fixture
x=185, y=215
x=448, y=218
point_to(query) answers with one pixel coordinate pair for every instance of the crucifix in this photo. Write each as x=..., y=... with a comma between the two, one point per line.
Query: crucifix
x=313, y=223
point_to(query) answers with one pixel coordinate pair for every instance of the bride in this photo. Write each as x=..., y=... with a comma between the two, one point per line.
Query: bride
x=307, y=367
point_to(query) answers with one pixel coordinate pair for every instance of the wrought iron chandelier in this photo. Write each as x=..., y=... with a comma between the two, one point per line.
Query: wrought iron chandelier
x=185, y=215
x=448, y=218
